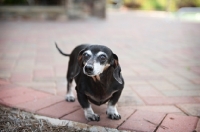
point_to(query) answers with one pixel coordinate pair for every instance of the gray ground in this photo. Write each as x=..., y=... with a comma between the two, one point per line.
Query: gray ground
x=15, y=120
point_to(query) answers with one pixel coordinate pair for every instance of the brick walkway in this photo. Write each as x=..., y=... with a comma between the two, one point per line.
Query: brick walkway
x=159, y=60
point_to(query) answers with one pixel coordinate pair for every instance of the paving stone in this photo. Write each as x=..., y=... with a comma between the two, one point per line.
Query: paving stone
x=127, y=99
x=60, y=109
x=131, y=82
x=50, y=90
x=21, y=78
x=143, y=121
x=177, y=80
x=42, y=84
x=177, y=123
x=169, y=100
x=62, y=91
x=196, y=81
x=163, y=85
x=77, y=116
x=8, y=86
x=183, y=93
x=5, y=74
x=190, y=109
x=198, y=98
x=3, y=82
x=23, y=69
x=159, y=108
x=25, y=63
x=23, y=98
x=38, y=104
x=188, y=74
x=189, y=87
x=196, y=69
x=43, y=73
x=17, y=91
x=146, y=90
x=198, y=127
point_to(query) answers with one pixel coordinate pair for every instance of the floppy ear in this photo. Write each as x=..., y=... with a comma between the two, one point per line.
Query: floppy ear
x=117, y=70
x=80, y=64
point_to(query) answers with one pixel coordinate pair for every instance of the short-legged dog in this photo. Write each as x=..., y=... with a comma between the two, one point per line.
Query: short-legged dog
x=98, y=78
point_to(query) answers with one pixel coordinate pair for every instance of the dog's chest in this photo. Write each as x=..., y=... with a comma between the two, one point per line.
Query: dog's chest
x=99, y=90
x=99, y=98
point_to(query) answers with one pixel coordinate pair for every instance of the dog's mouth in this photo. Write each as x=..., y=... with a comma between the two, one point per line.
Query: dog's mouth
x=91, y=74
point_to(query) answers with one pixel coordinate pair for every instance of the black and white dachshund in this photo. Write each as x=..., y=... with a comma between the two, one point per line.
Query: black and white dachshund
x=98, y=78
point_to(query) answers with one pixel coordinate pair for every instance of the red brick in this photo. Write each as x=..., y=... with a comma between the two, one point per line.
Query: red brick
x=159, y=108
x=60, y=109
x=44, y=60
x=143, y=121
x=8, y=86
x=146, y=90
x=77, y=116
x=178, y=123
x=196, y=69
x=14, y=92
x=196, y=81
x=163, y=85
x=198, y=98
x=43, y=73
x=21, y=78
x=125, y=112
x=198, y=126
x=169, y=100
x=3, y=82
x=34, y=95
x=40, y=103
x=190, y=109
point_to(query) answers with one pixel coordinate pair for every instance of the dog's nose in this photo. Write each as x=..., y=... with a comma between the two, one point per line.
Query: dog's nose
x=89, y=69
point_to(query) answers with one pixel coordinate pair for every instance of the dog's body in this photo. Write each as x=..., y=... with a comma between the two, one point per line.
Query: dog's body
x=98, y=79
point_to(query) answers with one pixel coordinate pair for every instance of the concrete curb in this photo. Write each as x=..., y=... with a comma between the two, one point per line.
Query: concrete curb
x=72, y=125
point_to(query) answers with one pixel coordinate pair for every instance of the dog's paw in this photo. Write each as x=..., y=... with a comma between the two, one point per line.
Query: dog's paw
x=112, y=113
x=93, y=117
x=114, y=116
x=70, y=98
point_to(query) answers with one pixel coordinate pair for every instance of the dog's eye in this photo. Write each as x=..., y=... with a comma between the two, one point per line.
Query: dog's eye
x=103, y=58
x=86, y=55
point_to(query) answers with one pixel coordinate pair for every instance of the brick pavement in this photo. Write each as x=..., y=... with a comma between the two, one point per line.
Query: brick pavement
x=159, y=60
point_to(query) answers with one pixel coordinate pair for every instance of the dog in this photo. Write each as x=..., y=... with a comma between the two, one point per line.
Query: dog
x=97, y=73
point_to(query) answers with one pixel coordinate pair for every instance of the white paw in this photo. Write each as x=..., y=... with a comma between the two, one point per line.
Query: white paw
x=90, y=115
x=113, y=113
x=70, y=98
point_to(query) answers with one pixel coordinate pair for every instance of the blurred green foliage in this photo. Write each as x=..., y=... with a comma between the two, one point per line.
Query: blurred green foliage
x=171, y=5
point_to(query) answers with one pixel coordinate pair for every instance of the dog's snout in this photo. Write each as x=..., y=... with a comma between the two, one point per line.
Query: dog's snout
x=89, y=69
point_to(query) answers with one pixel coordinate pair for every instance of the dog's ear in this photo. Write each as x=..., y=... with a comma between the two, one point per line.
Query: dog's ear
x=80, y=62
x=117, y=69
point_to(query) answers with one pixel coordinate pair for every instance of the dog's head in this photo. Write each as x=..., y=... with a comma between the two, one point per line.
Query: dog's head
x=95, y=59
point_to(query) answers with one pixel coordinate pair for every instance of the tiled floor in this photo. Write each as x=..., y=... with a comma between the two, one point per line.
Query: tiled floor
x=159, y=59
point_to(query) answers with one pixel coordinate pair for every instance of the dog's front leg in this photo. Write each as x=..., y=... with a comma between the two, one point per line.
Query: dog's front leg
x=111, y=109
x=70, y=95
x=89, y=113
